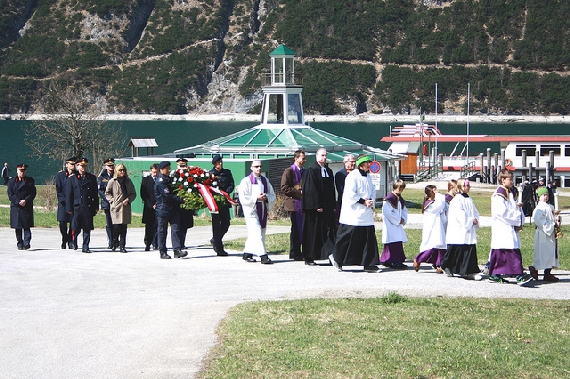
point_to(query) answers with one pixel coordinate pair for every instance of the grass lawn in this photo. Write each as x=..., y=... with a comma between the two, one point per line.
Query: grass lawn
x=393, y=337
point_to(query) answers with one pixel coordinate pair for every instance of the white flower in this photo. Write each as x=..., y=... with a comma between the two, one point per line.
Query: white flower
x=186, y=184
x=214, y=183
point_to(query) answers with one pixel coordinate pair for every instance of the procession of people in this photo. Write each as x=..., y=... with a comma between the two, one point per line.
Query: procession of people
x=337, y=229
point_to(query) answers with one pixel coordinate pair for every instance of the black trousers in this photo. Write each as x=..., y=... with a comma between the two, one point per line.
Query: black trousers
x=220, y=226
x=119, y=235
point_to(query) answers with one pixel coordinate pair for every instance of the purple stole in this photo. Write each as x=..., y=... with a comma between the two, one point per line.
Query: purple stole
x=298, y=175
x=393, y=199
x=448, y=197
x=503, y=192
x=427, y=203
x=261, y=210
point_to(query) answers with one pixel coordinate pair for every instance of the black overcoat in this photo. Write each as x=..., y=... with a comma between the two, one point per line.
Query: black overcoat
x=147, y=196
x=21, y=189
x=82, y=199
x=60, y=186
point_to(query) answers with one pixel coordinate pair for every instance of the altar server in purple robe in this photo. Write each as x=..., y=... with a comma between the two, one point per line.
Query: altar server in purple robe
x=433, y=246
x=506, y=220
x=395, y=216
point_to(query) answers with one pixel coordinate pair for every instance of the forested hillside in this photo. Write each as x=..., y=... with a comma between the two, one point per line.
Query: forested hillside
x=378, y=56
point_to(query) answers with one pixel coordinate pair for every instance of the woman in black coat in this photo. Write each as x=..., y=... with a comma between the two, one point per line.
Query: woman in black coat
x=22, y=192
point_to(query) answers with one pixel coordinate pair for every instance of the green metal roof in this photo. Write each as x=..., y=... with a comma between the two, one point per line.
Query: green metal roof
x=282, y=142
x=282, y=50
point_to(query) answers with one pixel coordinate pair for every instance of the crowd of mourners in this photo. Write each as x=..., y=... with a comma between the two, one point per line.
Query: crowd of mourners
x=339, y=229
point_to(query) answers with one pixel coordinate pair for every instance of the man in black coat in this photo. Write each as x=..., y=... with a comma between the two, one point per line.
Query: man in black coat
x=149, y=214
x=221, y=221
x=186, y=215
x=107, y=174
x=21, y=192
x=82, y=203
x=318, y=206
x=63, y=217
x=167, y=211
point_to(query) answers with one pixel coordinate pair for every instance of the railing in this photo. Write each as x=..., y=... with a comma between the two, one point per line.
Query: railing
x=468, y=170
x=426, y=173
x=268, y=79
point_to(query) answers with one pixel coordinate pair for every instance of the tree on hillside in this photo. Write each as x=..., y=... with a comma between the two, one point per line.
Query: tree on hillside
x=73, y=126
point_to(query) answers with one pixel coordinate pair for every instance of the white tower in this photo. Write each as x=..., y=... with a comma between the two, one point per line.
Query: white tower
x=282, y=92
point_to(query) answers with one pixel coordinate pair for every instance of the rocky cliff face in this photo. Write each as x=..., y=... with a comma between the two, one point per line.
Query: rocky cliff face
x=183, y=56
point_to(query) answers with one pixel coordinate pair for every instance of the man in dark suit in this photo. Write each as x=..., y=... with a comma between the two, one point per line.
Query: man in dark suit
x=63, y=217
x=186, y=215
x=221, y=220
x=318, y=204
x=21, y=192
x=149, y=214
x=82, y=202
x=291, y=188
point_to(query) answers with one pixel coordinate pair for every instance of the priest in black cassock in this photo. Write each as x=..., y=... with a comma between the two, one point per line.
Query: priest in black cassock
x=318, y=206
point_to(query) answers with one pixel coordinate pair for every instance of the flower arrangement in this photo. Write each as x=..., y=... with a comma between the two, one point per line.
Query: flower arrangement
x=198, y=188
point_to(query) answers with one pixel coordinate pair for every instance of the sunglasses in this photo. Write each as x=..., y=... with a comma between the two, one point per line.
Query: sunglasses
x=121, y=169
x=256, y=166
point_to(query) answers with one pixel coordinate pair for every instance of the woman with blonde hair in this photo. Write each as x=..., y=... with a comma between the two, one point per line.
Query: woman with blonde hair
x=461, y=236
x=120, y=193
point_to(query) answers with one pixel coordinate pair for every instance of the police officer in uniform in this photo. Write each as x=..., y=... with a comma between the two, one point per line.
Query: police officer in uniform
x=106, y=174
x=63, y=217
x=167, y=211
x=82, y=203
x=221, y=221
x=21, y=192
x=186, y=215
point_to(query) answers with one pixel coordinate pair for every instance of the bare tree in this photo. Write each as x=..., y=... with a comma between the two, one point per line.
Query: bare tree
x=73, y=126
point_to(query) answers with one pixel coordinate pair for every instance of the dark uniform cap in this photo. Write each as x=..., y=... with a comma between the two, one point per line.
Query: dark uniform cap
x=216, y=158
x=82, y=161
x=110, y=162
x=163, y=164
x=22, y=166
x=182, y=162
x=71, y=160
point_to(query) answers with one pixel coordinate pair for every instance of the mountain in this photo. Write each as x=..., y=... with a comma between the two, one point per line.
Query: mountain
x=185, y=56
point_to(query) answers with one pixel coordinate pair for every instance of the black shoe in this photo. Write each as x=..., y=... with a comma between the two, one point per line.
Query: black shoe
x=371, y=268
x=111, y=247
x=248, y=257
x=123, y=250
x=310, y=263
x=85, y=250
x=147, y=248
x=155, y=248
x=180, y=253
x=222, y=253
x=74, y=246
x=27, y=247
x=63, y=245
x=20, y=247
x=165, y=256
x=70, y=246
x=265, y=260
